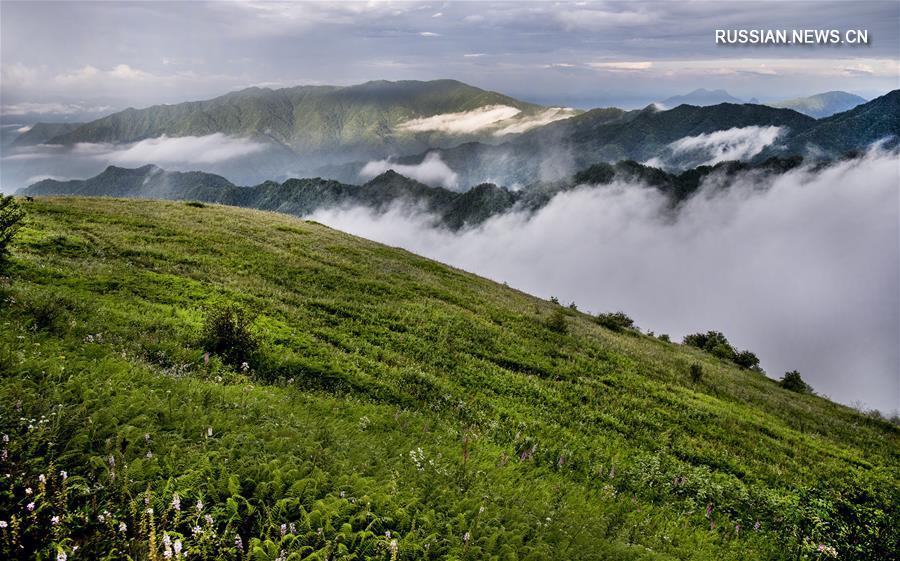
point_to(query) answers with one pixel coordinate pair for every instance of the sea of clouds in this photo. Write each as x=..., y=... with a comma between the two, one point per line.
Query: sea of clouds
x=802, y=268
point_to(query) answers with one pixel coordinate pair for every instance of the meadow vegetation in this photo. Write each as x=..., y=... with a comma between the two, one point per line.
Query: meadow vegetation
x=204, y=382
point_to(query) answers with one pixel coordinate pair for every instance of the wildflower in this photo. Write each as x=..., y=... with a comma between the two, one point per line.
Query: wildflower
x=5, y=439
x=167, y=553
x=3, y=524
x=466, y=537
x=827, y=550
x=197, y=530
x=245, y=367
x=394, y=548
x=54, y=521
x=167, y=541
x=149, y=454
x=147, y=437
x=342, y=494
x=101, y=518
x=208, y=519
x=112, y=461
x=209, y=432
x=149, y=510
x=123, y=527
x=756, y=526
x=238, y=543
x=199, y=505
x=292, y=528
x=281, y=556
x=30, y=507
x=42, y=478
x=387, y=534
x=481, y=510
x=176, y=502
x=64, y=475
x=177, y=547
x=28, y=491
x=283, y=530
x=708, y=509
x=61, y=556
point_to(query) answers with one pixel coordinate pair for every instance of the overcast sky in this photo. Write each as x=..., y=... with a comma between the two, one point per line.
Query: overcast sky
x=66, y=57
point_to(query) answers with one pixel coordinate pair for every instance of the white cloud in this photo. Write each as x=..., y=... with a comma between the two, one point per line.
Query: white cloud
x=23, y=130
x=462, y=122
x=52, y=108
x=431, y=171
x=621, y=66
x=720, y=146
x=210, y=149
x=801, y=268
x=522, y=124
x=429, y=34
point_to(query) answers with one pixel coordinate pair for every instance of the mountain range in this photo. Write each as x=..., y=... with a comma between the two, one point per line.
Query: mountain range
x=816, y=106
x=444, y=132
x=364, y=120
x=451, y=209
x=554, y=151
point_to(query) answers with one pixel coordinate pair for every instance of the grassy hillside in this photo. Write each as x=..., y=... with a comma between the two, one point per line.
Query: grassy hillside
x=395, y=408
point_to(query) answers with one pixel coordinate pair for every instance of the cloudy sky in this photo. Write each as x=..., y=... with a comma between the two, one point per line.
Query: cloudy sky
x=75, y=57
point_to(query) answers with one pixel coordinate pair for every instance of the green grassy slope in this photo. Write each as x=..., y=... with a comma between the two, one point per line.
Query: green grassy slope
x=394, y=400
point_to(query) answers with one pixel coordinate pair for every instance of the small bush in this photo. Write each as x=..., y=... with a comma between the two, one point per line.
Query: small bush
x=715, y=343
x=793, y=382
x=195, y=204
x=746, y=359
x=226, y=332
x=617, y=321
x=557, y=322
x=11, y=217
x=696, y=372
x=664, y=337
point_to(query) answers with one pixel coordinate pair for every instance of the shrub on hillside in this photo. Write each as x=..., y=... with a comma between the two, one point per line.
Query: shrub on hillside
x=696, y=372
x=11, y=216
x=715, y=343
x=226, y=332
x=793, y=382
x=557, y=322
x=617, y=321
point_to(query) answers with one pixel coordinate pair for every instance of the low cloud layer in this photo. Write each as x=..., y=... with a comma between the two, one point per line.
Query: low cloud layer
x=431, y=171
x=164, y=150
x=497, y=120
x=802, y=268
x=463, y=122
x=217, y=153
x=737, y=143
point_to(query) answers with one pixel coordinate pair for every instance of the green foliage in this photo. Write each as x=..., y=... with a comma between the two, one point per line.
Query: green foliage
x=227, y=333
x=617, y=321
x=696, y=372
x=11, y=217
x=557, y=322
x=394, y=405
x=715, y=343
x=793, y=382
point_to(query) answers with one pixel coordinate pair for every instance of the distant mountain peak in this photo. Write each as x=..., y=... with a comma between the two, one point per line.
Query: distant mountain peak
x=701, y=97
x=821, y=105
